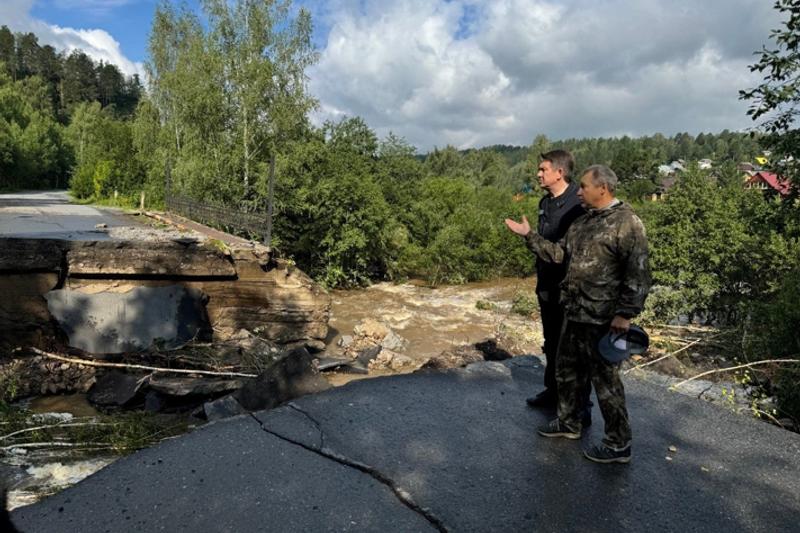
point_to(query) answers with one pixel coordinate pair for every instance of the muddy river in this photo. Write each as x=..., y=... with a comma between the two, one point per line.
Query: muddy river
x=432, y=320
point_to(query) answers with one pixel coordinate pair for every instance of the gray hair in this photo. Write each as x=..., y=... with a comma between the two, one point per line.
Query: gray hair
x=602, y=175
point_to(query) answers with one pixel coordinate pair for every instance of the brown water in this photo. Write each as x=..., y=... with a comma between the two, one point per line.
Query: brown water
x=431, y=319
x=74, y=404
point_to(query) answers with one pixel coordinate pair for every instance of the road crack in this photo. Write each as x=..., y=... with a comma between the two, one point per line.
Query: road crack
x=403, y=496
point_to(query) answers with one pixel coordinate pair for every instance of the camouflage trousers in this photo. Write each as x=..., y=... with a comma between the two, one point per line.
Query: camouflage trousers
x=578, y=362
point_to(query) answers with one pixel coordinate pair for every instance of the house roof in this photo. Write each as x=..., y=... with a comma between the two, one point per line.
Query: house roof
x=782, y=185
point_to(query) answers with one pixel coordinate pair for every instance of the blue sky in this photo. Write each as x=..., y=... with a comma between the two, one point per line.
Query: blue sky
x=478, y=72
x=127, y=21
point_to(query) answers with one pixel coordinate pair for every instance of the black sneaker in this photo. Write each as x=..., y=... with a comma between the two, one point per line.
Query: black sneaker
x=555, y=428
x=600, y=453
x=545, y=399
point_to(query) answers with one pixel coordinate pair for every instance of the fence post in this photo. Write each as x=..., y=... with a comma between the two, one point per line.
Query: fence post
x=268, y=237
x=167, y=184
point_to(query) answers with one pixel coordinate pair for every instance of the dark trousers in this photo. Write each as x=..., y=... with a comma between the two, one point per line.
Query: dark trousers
x=579, y=364
x=552, y=326
x=552, y=320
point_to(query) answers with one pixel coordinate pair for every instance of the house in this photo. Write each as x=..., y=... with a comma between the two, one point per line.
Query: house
x=705, y=164
x=768, y=182
x=665, y=183
x=746, y=166
x=672, y=168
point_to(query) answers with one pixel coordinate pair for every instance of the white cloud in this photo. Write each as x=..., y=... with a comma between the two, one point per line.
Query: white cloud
x=98, y=44
x=566, y=68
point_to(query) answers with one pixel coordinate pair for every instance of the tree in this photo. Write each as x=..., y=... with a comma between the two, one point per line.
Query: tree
x=777, y=98
x=8, y=51
x=79, y=83
x=264, y=54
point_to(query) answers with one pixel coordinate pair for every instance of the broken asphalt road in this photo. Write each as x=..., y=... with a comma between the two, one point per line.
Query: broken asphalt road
x=447, y=451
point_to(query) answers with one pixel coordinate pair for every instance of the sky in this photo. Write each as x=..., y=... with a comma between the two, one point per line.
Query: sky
x=473, y=73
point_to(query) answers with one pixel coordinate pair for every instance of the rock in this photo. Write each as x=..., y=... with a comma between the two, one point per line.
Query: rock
x=365, y=356
x=342, y=365
x=374, y=332
x=345, y=341
x=383, y=361
x=331, y=363
x=401, y=362
x=314, y=345
x=224, y=407
x=293, y=375
x=394, y=342
x=189, y=386
x=491, y=351
x=370, y=327
x=491, y=369
x=154, y=402
x=114, y=389
x=456, y=357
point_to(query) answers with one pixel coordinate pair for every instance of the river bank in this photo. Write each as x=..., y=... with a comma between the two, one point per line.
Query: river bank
x=429, y=320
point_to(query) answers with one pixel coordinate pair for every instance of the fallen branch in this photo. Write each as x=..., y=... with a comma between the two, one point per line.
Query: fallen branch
x=51, y=426
x=138, y=367
x=748, y=365
x=670, y=354
x=53, y=445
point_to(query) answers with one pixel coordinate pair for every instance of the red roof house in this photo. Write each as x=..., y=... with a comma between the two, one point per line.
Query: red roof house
x=767, y=181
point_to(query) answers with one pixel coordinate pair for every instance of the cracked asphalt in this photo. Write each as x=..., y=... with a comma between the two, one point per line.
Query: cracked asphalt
x=446, y=451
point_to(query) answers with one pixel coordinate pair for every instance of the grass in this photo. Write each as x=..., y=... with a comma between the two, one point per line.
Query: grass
x=120, y=433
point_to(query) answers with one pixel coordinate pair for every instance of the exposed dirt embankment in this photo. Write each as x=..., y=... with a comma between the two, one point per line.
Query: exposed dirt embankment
x=241, y=287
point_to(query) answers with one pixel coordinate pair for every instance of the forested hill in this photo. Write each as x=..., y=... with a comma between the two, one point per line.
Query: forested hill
x=631, y=156
x=68, y=79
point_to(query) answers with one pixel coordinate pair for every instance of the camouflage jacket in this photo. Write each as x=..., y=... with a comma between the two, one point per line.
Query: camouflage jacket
x=608, y=274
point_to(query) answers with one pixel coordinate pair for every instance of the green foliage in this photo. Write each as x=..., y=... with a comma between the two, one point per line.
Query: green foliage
x=772, y=333
x=711, y=241
x=32, y=151
x=525, y=303
x=776, y=99
x=485, y=305
x=104, y=154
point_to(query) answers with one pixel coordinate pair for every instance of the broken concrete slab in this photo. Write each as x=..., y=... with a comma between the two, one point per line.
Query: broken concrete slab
x=341, y=365
x=114, y=389
x=113, y=259
x=224, y=407
x=188, y=386
x=167, y=317
x=31, y=255
x=365, y=356
x=291, y=376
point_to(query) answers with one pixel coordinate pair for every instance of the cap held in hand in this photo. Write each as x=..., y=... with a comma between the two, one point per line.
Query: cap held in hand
x=616, y=347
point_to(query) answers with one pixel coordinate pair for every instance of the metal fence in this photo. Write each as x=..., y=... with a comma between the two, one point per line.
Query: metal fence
x=229, y=219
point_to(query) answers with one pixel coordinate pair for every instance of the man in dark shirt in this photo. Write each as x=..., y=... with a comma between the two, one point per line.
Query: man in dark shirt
x=557, y=210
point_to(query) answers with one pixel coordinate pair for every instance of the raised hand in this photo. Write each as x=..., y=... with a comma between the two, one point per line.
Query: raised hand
x=520, y=228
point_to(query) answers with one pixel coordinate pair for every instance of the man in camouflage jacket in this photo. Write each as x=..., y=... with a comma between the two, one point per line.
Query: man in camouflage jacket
x=605, y=286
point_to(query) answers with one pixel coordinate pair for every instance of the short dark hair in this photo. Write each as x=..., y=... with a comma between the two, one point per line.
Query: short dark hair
x=560, y=159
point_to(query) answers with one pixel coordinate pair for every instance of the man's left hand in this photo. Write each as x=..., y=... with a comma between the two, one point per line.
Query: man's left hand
x=620, y=325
